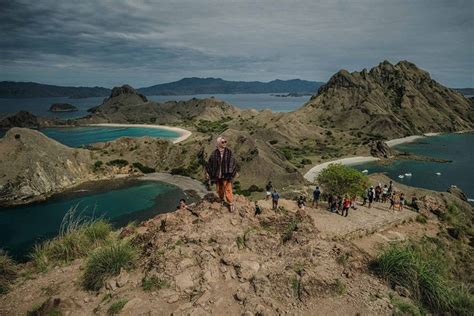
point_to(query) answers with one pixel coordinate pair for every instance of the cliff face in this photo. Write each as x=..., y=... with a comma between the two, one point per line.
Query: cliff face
x=32, y=165
x=390, y=100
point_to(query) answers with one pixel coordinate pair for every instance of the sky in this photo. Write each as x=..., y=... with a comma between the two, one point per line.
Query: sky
x=143, y=42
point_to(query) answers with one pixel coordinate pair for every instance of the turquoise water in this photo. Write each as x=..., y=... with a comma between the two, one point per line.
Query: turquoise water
x=456, y=147
x=77, y=136
x=123, y=202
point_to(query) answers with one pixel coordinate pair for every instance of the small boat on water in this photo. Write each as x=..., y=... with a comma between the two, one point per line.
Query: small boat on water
x=401, y=176
x=438, y=173
x=408, y=174
x=365, y=171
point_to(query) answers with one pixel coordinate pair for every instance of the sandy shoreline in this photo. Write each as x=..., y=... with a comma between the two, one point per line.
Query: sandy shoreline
x=183, y=133
x=313, y=172
x=184, y=183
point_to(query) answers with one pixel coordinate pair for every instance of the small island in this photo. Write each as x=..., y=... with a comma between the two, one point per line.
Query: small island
x=62, y=107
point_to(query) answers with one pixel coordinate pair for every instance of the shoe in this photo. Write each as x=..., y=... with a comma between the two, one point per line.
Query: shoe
x=231, y=208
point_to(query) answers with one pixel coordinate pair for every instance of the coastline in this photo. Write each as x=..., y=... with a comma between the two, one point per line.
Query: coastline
x=183, y=133
x=314, y=171
x=182, y=182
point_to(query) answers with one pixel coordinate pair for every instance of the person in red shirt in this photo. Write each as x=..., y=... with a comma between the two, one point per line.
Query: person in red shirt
x=346, y=204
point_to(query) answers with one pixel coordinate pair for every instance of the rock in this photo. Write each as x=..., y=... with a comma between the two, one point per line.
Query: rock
x=111, y=285
x=173, y=299
x=184, y=281
x=454, y=190
x=132, y=305
x=402, y=291
x=20, y=119
x=379, y=148
x=247, y=269
x=122, y=278
x=240, y=295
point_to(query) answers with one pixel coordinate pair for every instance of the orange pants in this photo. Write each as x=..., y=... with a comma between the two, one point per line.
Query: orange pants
x=224, y=190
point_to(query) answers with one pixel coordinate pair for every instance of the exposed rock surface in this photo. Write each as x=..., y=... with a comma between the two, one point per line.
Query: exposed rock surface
x=379, y=148
x=454, y=190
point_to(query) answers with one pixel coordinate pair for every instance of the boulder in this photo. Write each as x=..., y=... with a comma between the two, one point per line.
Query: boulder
x=454, y=190
x=379, y=148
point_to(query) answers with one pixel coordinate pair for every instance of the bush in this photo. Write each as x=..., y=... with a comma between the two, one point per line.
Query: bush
x=421, y=219
x=142, y=168
x=153, y=283
x=340, y=180
x=8, y=272
x=116, y=307
x=118, y=163
x=306, y=161
x=106, y=262
x=273, y=141
x=425, y=274
x=97, y=165
x=77, y=238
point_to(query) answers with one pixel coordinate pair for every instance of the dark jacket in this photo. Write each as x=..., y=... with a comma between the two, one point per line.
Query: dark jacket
x=227, y=166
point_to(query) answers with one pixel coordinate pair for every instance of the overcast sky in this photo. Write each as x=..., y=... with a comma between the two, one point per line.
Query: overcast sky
x=111, y=42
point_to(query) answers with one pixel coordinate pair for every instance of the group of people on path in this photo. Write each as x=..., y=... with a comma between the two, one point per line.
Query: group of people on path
x=221, y=169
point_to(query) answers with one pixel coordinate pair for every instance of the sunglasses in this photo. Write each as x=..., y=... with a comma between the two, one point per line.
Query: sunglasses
x=224, y=142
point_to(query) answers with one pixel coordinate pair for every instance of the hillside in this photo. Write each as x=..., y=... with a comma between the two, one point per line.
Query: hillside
x=11, y=89
x=205, y=260
x=390, y=101
x=32, y=166
x=219, y=86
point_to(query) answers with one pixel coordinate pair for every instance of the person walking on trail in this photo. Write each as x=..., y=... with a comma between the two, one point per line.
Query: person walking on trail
x=384, y=193
x=346, y=204
x=390, y=187
x=316, y=197
x=221, y=170
x=275, y=198
x=402, y=201
x=301, y=202
x=269, y=189
x=370, y=196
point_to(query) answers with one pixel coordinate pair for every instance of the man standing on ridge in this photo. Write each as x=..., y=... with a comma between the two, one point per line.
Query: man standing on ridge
x=222, y=169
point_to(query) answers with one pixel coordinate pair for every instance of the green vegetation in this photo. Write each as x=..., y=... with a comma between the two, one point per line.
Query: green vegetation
x=306, y=161
x=142, y=168
x=107, y=261
x=296, y=286
x=118, y=163
x=116, y=307
x=421, y=219
x=77, y=238
x=403, y=308
x=204, y=126
x=98, y=165
x=153, y=283
x=339, y=287
x=423, y=268
x=341, y=180
x=289, y=230
x=460, y=222
x=8, y=272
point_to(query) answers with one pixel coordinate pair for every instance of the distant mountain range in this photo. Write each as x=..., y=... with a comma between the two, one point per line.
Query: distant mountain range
x=186, y=86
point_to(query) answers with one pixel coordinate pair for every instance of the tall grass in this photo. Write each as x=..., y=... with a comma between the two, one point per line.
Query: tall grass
x=8, y=272
x=106, y=261
x=78, y=236
x=425, y=275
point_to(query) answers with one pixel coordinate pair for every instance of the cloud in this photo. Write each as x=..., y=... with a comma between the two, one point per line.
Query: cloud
x=144, y=42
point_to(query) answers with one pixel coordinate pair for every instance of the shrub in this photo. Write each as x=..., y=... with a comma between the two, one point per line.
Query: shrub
x=180, y=171
x=142, y=168
x=421, y=219
x=77, y=238
x=8, y=272
x=153, y=283
x=306, y=161
x=340, y=180
x=118, y=163
x=116, y=307
x=425, y=274
x=273, y=141
x=289, y=230
x=107, y=261
x=97, y=165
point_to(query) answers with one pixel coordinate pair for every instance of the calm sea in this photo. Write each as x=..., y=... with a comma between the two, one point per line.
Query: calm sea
x=40, y=106
x=431, y=175
x=121, y=202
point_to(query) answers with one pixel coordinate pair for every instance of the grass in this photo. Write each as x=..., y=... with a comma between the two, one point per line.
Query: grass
x=296, y=286
x=77, y=238
x=106, y=261
x=343, y=259
x=116, y=307
x=8, y=272
x=153, y=283
x=423, y=270
x=289, y=230
x=339, y=287
x=421, y=219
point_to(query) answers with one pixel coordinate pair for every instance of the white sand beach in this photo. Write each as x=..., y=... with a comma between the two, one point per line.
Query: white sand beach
x=183, y=133
x=403, y=140
x=313, y=172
